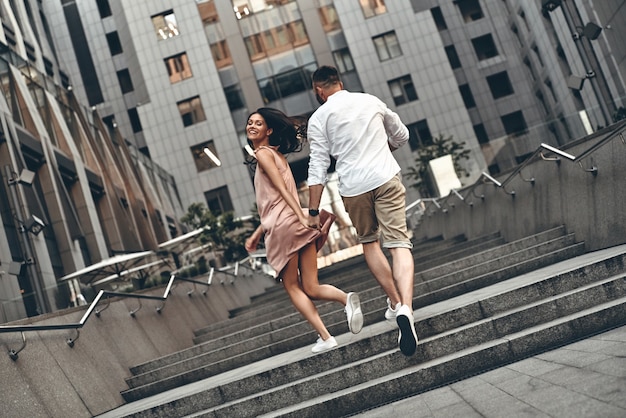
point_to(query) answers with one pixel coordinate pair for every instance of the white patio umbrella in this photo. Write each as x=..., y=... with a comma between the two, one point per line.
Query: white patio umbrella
x=113, y=266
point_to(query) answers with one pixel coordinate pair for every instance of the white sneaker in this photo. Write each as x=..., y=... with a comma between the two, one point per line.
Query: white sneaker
x=390, y=313
x=407, y=339
x=354, y=313
x=321, y=345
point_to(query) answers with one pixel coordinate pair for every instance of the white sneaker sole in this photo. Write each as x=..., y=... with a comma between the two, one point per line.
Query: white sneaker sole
x=355, y=320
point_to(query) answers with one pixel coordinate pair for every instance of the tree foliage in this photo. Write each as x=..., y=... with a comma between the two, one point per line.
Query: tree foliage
x=225, y=233
x=440, y=146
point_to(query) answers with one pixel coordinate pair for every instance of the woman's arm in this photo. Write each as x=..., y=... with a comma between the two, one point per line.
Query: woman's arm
x=253, y=240
x=265, y=159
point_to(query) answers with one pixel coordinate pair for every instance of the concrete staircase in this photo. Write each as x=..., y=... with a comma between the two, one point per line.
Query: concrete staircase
x=478, y=304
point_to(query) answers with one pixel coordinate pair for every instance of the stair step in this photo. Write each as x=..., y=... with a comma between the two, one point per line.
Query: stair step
x=353, y=370
x=348, y=272
x=365, y=280
x=373, y=302
x=387, y=340
x=447, y=369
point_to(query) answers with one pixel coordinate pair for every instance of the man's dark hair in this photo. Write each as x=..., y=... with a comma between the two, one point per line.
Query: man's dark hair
x=325, y=75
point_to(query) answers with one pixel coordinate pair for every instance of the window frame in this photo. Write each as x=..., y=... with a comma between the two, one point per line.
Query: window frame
x=178, y=67
x=406, y=86
x=196, y=111
x=384, y=46
x=163, y=29
x=419, y=135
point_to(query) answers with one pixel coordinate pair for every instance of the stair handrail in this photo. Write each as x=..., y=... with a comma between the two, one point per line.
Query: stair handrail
x=14, y=354
x=618, y=131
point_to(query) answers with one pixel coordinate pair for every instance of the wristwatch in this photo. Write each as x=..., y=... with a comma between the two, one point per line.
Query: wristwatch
x=314, y=212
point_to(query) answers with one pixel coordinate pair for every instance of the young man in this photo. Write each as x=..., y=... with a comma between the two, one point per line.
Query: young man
x=360, y=132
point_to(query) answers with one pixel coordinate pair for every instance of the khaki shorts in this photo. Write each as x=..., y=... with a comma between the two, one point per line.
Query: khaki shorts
x=381, y=212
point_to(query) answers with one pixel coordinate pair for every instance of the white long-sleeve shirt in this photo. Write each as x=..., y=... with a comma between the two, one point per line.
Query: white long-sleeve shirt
x=356, y=129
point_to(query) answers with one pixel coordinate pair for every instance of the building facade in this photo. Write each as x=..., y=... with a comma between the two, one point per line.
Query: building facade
x=72, y=192
x=176, y=80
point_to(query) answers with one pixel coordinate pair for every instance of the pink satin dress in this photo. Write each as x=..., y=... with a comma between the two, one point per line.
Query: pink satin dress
x=284, y=234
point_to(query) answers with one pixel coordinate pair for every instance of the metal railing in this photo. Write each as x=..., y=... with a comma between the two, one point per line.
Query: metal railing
x=230, y=270
x=544, y=151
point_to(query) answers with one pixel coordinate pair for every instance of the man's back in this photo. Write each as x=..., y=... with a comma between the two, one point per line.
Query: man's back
x=354, y=128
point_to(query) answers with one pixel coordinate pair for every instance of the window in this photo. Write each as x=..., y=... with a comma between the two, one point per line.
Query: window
x=221, y=54
x=205, y=156
x=453, y=57
x=126, y=83
x=165, y=25
x=529, y=66
x=343, y=60
x=285, y=84
x=468, y=97
x=535, y=49
x=373, y=7
x=514, y=123
x=522, y=16
x=178, y=67
x=109, y=122
x=494, y=169
x=291, y=82
x=517, y=36
x=49, y=66
x=470, y=10
x=484, y=47
x=218, y=200
x=481, y=133
x=542, y=100
x=402, y=90
x=387, y=46
x=245, y=8
x=115, y=46
x=419, y=135
x=550, y=88
x=234, y=97
x=191, y=111
x=500, y=85
x=329, y=18
x=440, y=22
x=104, y=8
x=135, y=122
x=276, y=40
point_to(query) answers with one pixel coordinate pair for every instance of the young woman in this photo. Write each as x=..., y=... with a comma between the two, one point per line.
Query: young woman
x=291, y=245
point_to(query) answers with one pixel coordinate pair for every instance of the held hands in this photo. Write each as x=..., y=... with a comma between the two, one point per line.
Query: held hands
x=313, y=221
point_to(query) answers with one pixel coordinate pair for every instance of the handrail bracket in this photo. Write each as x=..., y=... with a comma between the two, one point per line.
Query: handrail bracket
x=98, y=311
x=134, y=311
x=593, y=169
x=555, y=159
x=14, y=354
x=70, y=341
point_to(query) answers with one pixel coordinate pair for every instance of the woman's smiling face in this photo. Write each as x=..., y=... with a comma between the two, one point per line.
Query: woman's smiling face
x=257, y=129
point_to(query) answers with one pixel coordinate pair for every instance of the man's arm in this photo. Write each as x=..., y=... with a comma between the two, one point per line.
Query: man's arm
x=315, y=197
x=397, y=131
x=319, y=160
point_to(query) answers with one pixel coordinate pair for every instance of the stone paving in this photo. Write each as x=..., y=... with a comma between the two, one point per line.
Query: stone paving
x=583, y=379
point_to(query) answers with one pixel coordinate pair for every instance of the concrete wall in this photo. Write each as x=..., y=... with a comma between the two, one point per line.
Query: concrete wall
x=50, y=379
x=591, y=206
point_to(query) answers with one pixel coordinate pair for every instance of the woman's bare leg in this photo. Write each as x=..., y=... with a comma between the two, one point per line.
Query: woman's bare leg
x=310, y=281
x=300, y=300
